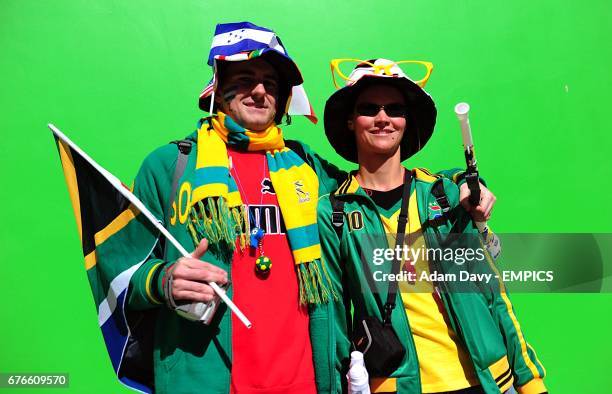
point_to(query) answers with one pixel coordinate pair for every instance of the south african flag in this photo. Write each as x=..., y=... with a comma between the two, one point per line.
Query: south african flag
x=116, y=239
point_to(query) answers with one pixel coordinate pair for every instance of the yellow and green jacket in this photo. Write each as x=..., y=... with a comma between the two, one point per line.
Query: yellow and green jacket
x=483, y=317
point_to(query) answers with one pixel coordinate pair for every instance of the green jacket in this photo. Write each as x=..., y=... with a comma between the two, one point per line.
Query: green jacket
x=484, y=319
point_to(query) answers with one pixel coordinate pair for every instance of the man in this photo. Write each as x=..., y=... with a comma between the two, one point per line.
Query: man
x=458, y=338
x=239, y=158
x=247, y=198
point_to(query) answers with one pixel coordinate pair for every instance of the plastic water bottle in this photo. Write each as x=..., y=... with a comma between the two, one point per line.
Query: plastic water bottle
x=358, y=380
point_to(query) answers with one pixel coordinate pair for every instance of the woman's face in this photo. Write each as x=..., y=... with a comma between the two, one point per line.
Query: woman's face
x=378, y=121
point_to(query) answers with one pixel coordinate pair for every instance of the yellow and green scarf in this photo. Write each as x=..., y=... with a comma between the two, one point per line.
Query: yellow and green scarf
x=218, y=214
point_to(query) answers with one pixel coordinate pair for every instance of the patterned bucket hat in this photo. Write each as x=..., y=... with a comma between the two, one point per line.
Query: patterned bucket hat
x=243, y=41
x=421, y=117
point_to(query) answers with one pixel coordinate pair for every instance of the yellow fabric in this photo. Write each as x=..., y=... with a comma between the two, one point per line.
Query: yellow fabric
x=383, y=385
x=537, y=360
x=299, y=209
x=148, y=284
x=73, y=191
x=509, y=383
x=214, y=155
x=265, y=140
x=443, y=362
x=424, y=175
x=309, y=253
x=500, y=367
x=534, y=386
x=517, y=326
x=117, y=224
x=501, y=372
x=90, y=260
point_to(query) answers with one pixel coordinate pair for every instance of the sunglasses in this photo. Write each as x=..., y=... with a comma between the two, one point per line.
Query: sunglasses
x=393, y=110
x=418, y=71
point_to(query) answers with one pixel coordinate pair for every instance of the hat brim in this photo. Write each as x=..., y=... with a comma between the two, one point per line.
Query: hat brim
x=288, y=72
x=420, y=122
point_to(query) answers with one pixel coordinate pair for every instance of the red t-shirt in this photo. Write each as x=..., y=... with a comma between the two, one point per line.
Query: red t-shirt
x=275, y=355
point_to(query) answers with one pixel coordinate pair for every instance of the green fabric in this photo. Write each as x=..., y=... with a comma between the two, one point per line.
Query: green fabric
x=488, y=337
x=453, y=173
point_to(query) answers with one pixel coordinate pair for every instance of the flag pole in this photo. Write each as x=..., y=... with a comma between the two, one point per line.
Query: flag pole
x=143, y=209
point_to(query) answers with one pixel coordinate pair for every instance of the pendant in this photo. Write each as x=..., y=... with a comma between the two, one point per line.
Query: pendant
x=263, y=264
x=256, y=237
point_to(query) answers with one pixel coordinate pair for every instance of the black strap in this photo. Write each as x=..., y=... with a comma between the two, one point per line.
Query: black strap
x=184, y=149
x=337, y=218
x=438, y=191
x=473, y=182
x=399, y=241
x=297, y=148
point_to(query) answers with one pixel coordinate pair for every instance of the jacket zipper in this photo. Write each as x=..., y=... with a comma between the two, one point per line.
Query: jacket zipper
x=406, y=326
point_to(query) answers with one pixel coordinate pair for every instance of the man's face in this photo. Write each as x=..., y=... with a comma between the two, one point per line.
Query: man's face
x=378, y=131
x=248, y=93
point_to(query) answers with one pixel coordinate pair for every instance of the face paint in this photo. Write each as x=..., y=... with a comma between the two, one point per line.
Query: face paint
x=248, y=93
x=230, y=93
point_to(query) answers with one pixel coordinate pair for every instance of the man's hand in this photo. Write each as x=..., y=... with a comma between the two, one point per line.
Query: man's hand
x=481, y=212
x=190, y=276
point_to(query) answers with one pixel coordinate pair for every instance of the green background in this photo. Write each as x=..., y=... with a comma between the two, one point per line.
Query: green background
x=122, y=78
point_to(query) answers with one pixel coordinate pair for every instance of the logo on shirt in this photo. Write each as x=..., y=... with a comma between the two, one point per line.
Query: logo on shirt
x=267, y=217
x=434, y=210
x=301, y=194
x=267, y=187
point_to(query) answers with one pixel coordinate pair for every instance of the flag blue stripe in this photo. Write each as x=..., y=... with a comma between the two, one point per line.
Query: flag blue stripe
x=135, y=385
x=115, y=333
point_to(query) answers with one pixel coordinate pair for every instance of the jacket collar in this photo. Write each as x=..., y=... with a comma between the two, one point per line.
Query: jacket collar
x=350, y=186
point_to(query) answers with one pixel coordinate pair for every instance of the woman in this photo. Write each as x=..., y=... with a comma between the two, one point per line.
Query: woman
x=454, y=340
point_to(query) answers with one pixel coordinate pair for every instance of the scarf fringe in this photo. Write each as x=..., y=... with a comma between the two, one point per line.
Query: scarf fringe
x=314, y=283
x=241, y=225
x=219, y=224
